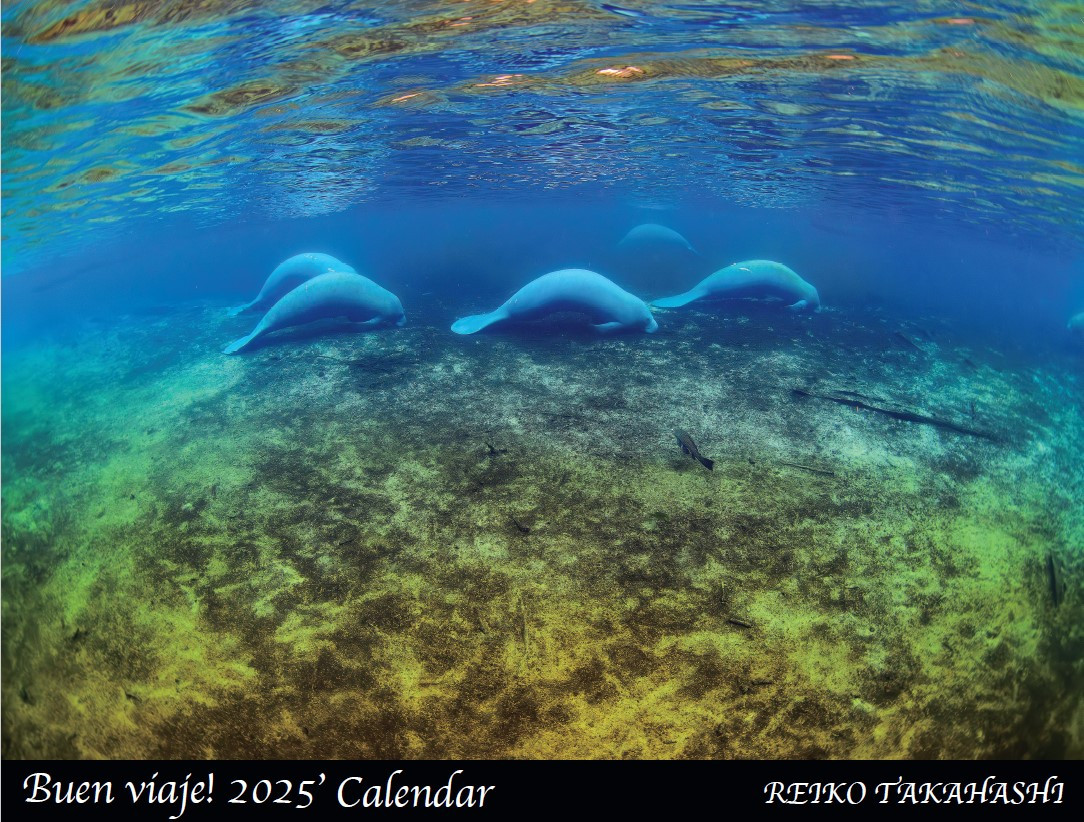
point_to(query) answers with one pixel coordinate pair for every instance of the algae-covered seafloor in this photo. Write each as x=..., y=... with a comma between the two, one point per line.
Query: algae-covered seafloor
x=407, y=544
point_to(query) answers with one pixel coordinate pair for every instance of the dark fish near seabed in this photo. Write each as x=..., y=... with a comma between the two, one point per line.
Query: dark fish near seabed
x=689, y=447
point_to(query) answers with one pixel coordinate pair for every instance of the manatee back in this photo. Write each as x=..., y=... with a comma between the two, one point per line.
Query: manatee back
x=311, y=264
x=298, y=269
x=763, y=276
x=335, y=294
x=653, y=233
x=576, y=289
x=564, y=286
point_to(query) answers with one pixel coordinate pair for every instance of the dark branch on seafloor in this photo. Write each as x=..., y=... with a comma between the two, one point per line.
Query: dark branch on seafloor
x=900, y=414
x=1053, y=573
x=843, y=393
x=910, y=342
x=810, y=468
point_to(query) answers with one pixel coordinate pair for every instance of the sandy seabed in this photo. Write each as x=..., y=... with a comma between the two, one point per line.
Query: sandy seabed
x=412, y=544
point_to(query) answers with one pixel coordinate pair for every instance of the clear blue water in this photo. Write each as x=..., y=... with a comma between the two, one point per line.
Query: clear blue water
x=950, y=126
x=922, y=164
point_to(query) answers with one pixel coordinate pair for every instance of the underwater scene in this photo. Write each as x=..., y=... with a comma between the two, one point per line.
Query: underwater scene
x=542, y=379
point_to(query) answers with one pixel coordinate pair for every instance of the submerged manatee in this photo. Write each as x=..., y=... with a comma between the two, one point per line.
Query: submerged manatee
x=610, y=307
x=653, y=258
x=653, y=235
x=289, y=274
x=1076, y=323
x=752, y=278
x=336, y=294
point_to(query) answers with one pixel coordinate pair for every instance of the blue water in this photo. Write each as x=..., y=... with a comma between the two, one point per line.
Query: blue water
x=438, y=142
x=1024, y=287
x=409, y=543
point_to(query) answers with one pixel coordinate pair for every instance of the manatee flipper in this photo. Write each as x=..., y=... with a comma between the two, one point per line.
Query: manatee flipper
x=606, y=328
x=239, y=309
x=476, y=322
x=678, y=299
x=798, y=306
x=373, y=323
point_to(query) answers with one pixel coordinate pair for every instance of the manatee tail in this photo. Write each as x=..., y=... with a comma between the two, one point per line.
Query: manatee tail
x=237, y=345
x=677, y=300
x=476, y=322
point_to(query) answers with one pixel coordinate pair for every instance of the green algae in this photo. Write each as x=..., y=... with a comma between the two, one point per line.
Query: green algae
x=408, y=545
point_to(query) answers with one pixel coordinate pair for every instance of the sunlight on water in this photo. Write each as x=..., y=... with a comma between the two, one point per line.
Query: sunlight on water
x=228, y=108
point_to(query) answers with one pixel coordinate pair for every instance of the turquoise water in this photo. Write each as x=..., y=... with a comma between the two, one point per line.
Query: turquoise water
x=402, y=541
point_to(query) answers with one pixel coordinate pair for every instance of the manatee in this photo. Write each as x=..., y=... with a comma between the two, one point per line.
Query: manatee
x=610, y=307
x=1076, y=324
x=289, y=274
x=752, y=278
x=648, y=235
x=335, y=294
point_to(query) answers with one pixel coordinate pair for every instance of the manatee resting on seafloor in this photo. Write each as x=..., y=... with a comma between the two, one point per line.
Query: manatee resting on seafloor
x=752, y=278
x=653, y=235
x=610, y=307
x=1076, y=323
x=289, y=274
x=336, y=294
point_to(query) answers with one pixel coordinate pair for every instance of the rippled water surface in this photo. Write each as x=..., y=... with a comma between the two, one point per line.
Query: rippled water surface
x=117, y=110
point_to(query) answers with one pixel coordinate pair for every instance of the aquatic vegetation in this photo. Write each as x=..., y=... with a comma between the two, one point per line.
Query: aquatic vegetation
x=530, y=567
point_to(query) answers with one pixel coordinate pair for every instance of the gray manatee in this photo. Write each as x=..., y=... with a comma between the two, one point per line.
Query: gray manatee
x=571, y=289
x=1076, y=323
x=653, y=235
x=336, y=294
x=290, y=273
x=752, y=278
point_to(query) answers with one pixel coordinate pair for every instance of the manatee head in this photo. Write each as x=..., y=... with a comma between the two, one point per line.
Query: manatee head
x=395, y=315
x=644, y=319
x=635, y=314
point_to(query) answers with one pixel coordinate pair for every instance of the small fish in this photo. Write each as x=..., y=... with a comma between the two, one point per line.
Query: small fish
x=689, y=447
